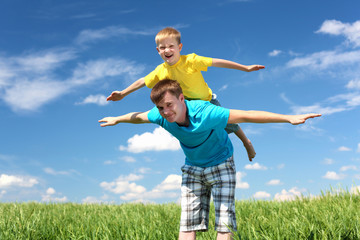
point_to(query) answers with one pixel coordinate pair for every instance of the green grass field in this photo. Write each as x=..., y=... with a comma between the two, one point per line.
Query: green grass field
x=330, y=216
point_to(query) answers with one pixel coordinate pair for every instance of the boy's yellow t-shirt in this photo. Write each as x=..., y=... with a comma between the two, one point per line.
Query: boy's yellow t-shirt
x=187, y=71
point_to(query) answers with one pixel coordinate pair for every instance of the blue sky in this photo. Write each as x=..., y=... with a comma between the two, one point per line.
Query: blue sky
x=59, y=60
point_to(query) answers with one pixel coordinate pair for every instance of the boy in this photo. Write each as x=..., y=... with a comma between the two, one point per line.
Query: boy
x=186, y=69
x=209, y=168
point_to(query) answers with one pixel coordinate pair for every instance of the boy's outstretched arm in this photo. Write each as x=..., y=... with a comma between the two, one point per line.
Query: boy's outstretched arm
x=118, y=95
x=134, y=117
x=217, y=62
x=239, y=116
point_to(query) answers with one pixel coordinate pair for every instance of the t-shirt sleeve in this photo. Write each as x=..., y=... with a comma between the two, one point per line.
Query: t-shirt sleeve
x=200, y=63
x=155, y=117
x=152, y=78
x=213, y=116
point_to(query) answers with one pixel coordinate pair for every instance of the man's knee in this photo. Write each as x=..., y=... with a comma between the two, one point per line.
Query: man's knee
x=190, y=235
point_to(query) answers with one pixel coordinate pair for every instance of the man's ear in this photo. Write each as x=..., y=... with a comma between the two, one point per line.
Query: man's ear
x=181, y=97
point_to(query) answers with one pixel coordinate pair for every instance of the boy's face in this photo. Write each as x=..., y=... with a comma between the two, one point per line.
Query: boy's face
x=169, y=50
x=173, y=109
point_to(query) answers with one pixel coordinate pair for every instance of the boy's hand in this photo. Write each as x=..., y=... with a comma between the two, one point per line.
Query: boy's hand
x=255, y=67
x=115, y=96
x=108, y=121
x=300, y=119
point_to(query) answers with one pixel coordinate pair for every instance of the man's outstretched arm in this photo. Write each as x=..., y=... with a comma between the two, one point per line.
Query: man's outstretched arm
x=134, y=117
x=239, y=116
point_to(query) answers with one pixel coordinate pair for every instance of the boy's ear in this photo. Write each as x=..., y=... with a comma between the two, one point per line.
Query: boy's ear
x=180, y=46
x=157, y=49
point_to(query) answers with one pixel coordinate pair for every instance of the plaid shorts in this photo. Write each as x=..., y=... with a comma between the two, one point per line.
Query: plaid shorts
x=198, y=184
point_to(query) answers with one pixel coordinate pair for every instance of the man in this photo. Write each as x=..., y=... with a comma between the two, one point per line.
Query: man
x=209, y=167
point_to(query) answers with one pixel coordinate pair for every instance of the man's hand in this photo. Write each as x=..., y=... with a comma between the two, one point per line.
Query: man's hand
x=116, y=96
x=108, y=121
x=254, y=68
x=300, y=119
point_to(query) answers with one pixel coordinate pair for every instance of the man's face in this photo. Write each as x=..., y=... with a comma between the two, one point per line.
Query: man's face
x=169, y=50
x=173, y=109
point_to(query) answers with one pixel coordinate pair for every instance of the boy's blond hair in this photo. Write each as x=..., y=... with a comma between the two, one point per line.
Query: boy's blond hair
x=168, y=32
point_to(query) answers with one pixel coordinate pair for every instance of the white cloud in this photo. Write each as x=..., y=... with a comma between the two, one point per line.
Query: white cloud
x=98, y=99
x=130, y=191
x=109, y=162
x=239, y=183
x=354, y=84
x=331, y=105
x=350, y=31
x=50, y=191
x=35, y=77
x=34, y=93
x=4, y=157
x=344, y=149
x=261, y=195
x=92, y=200
x=275, y=53
x=290, y=195
x=158, y=140
x=128, y=159
x=333, y=176
x=281, y=166
x=123, y=184
x=325, y=59
x=328, y=161
x=7, y=181
x=347, y=168
x=171, y=182
x=49, y=196
x=91, y=71
x=144, y=170
x=355, y=190
x=119, y=187
x=285, y=99
x=255, y=166
x=43, y=61
x=223, y=88
x=274, y=182
x=2, y=193
x=90, y=36
x=54, y=172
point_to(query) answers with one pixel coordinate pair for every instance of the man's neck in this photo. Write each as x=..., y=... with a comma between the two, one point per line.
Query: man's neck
x=186, y=121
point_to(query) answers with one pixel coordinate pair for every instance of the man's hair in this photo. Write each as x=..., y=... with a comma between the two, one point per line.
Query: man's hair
x=168, y=32
x=164, y=86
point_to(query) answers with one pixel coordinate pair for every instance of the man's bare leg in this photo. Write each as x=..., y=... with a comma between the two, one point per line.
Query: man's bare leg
x=224, y=236
x=191, y=235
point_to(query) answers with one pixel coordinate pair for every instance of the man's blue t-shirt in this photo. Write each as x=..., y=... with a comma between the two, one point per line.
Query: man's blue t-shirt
x=204, y=142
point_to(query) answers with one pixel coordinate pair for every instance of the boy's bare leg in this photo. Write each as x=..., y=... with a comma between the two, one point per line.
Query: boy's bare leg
x=247, y=144
x=224, y=236
x=187, y=235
